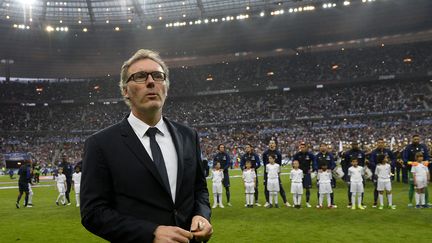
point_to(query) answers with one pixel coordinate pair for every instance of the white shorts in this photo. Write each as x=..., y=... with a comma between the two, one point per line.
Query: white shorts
x=421, y=182
x=273, y=185
x=356, y=187
x=384, y=185
x=61, y=188
x=217, y=188
x=325, y=188
x=249, y=187
x=296, y=188
x=77, y=188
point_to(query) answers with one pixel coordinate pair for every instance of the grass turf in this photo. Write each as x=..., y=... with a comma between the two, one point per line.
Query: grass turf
x=47, y=222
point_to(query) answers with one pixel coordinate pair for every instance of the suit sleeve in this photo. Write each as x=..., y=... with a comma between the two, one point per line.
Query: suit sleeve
x=201, y=204
x=97, y=214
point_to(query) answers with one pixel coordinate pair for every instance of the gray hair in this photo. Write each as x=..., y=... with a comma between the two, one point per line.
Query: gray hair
x=140, y=55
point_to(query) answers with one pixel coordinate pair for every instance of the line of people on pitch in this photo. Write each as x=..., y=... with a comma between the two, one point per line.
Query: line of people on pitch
x=308, y=161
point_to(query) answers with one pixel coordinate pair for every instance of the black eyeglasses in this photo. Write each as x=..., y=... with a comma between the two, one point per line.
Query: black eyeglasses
x=142, y=76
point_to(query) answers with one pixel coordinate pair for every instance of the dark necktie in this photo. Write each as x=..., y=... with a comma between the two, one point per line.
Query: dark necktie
x=157, y=156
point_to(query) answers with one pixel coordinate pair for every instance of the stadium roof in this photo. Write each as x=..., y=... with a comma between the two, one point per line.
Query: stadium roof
x=122, y=12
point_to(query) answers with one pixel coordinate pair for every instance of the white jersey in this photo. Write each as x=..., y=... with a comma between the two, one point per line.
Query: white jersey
x=356, y=173
x=296, y=176
x=273, y=171
x=76, y=177
x=60, y=179
x=383, y=172
x=324, y=177
x=249, y=176
x=217, y=176
x=420, y=170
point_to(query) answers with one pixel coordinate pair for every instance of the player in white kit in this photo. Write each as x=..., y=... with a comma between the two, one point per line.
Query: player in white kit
x=76, y=178
x=273, y=171
x=61, y=186
x=383, y=172
x=296, y=176
x=249, y=178
x=355, y=173
x=421, y=178
x=217, y=177
x=324, y=178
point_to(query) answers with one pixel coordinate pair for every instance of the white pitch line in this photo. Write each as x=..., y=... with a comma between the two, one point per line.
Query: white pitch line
x=16, y=187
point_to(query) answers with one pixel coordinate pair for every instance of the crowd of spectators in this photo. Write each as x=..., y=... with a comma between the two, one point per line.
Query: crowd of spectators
x=362, y=111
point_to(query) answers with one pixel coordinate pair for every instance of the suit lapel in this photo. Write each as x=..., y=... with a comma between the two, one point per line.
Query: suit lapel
x=136, y=147
x=177, y=138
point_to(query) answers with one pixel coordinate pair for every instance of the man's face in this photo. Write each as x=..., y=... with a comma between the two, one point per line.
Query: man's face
x=147, y=97
x=302, y=148
x=64, y=158
x=248, y=149
x=272, y=145
x=380, y=144
x=222, y=148
x=416, y=140
x=323, y=148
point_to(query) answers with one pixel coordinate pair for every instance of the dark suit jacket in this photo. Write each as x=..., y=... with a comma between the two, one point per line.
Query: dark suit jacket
x=123, y=198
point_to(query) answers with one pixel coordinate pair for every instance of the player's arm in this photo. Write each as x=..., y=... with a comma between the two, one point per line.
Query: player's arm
x=242, y=162
x=258, y=162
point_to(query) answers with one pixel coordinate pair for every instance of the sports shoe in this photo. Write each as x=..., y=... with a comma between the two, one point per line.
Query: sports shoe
x=330, y=207
x=417, y=206
x=287, y=204
x=276, y=205
x=229, y=204
x=57, y=203
x=425, y=206
x=29, y=206
x=308, y=205
x=392, y=206
x=221, y=205
x=246, y=205
x=17, y=205
x=214, y=206
x=374, y=205
x=361, y=207
x=334, y=206
x=266, y=204
x=68, y=204
x=353, y=207
x=410, y=205
x=77, y=205
x=319, y=206
x=349, y=205
x=269, y=206
x=381, y=207
x=257, y=204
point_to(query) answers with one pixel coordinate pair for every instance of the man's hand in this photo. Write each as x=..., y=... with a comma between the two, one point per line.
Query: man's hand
x=171, y=234
x=201, y=229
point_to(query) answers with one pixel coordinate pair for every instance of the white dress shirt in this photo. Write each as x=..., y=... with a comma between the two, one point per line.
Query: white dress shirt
x=166, y=144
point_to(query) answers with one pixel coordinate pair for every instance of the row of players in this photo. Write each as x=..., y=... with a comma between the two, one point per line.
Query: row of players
x=25, y=183
x=309, y=162
x=356, y=173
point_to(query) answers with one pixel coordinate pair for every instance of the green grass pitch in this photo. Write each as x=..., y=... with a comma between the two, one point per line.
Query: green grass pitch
x=46, y=222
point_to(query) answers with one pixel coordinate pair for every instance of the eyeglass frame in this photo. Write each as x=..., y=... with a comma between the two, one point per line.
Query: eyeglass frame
x=147, y=74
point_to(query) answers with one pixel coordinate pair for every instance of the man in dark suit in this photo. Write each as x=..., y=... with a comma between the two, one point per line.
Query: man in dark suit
x=142, y=179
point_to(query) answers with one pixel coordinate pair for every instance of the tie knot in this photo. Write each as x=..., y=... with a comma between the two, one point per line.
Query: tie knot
x=151, y=132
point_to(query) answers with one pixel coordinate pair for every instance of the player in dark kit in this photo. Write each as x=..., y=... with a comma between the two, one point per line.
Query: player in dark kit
x=278, y=157
x=306, y=160
x=225, y=163
x=380, y=150
x=251, y=156
x=24, y=173
x=326, y=158
x=409, y=157
x=67, y=171
x=354, y=152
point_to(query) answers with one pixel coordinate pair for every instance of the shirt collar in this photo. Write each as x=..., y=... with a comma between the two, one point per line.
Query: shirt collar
x=141, y=127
